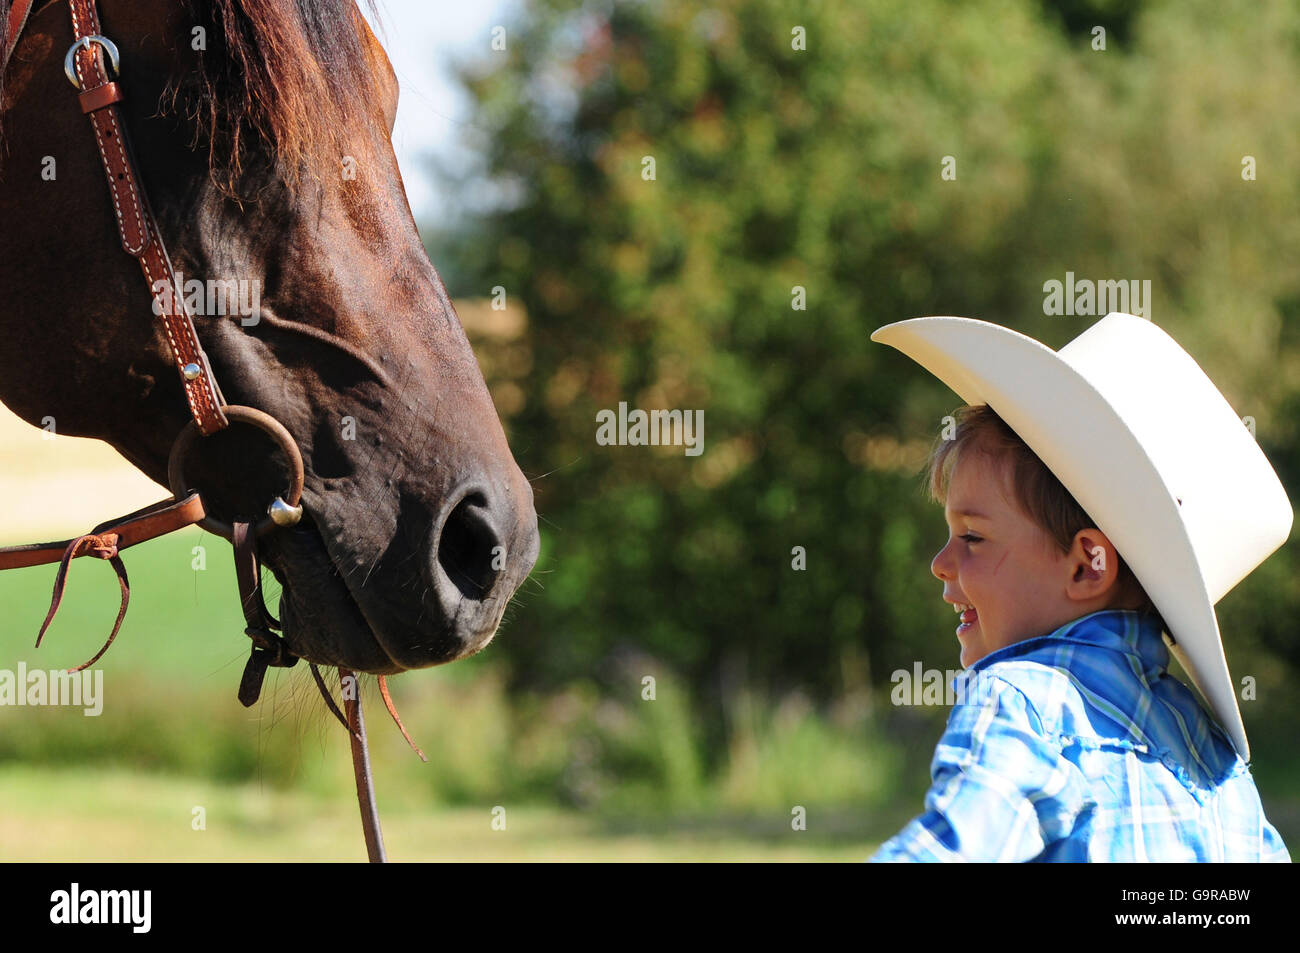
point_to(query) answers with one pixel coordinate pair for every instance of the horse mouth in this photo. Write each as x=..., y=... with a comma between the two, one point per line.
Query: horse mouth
x=323, y=621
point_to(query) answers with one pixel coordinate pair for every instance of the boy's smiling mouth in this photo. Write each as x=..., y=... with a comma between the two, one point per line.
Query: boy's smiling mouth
x=968, y=616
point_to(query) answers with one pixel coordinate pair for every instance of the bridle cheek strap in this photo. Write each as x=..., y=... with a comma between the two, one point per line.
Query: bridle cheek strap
x=138, y=230
x=18, y=12
x=136, y=225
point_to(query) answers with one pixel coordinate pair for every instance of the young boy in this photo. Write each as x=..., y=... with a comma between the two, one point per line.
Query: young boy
x=1069, y=740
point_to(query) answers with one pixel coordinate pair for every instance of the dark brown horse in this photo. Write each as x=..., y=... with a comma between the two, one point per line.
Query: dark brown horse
x=261, y=129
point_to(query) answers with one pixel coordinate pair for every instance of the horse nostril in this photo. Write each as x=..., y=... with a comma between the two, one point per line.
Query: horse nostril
x=469, y=550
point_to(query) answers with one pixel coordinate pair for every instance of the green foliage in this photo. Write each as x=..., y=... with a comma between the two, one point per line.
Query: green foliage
x=777, y=167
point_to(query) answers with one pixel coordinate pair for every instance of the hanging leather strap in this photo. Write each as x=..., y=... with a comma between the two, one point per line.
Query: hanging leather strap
x=268, y=648
x=397, y=719
x=105, y=541
x=104, y=546
x=136, y=225
x=325, y=694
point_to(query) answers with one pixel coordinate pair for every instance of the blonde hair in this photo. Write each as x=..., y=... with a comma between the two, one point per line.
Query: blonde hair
x=1034, y=488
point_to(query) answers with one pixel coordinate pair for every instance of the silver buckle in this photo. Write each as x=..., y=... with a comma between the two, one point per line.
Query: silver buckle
x=69, y=61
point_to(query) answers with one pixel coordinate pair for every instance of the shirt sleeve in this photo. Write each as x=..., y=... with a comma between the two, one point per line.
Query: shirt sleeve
x=1274, y=851
x=1000, y=792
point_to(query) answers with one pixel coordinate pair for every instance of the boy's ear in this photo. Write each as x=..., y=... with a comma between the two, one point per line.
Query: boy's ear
x=1093, y=564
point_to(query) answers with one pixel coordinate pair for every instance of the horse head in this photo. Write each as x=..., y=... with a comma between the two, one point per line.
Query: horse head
x=261, y=129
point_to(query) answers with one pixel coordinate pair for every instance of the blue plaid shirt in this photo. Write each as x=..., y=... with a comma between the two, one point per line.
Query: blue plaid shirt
x=1079, y=746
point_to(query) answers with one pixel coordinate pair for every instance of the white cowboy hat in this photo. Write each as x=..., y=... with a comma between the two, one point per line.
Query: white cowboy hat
x=1133, y=428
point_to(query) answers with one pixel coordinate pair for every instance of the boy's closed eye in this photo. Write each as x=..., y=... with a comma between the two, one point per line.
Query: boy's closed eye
x=970, y=538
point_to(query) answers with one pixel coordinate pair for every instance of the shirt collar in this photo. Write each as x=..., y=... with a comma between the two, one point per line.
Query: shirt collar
x=1120, y=630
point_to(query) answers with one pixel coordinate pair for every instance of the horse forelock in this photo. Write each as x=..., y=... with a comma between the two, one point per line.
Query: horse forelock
x=293, y=79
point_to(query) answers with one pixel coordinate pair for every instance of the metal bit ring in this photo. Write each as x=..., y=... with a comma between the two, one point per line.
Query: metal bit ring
x=284, y=510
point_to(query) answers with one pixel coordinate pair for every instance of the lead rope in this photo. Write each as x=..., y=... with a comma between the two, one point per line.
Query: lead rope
x=270, y=649
x=355, y=723
x=361, y=769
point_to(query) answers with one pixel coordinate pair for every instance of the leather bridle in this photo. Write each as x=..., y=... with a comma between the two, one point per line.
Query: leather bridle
x=98, y=95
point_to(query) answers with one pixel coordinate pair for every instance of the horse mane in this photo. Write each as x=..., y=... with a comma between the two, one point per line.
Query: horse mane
x=293, y=77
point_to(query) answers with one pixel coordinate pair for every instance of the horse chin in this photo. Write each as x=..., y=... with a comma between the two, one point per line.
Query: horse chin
x=327, y=637
x=321, y=620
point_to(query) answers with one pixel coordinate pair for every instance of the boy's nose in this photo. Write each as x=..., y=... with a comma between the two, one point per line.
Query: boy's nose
x=939, y=566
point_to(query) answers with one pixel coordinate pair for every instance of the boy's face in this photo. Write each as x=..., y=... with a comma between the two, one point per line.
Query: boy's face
x=1000, y=562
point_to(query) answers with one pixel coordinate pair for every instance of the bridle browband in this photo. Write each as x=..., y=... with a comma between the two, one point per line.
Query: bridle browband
x=98, y=95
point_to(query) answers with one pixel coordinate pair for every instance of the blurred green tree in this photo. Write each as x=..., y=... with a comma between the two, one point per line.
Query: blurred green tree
x=800, y=151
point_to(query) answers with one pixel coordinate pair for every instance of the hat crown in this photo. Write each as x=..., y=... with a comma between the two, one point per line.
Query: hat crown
x=1229, y=499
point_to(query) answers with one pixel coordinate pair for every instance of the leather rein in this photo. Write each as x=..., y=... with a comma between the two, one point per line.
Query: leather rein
x=98, y=95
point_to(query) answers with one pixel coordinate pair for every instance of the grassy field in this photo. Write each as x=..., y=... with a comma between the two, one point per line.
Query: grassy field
x=89, y=815
x=579, y=777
